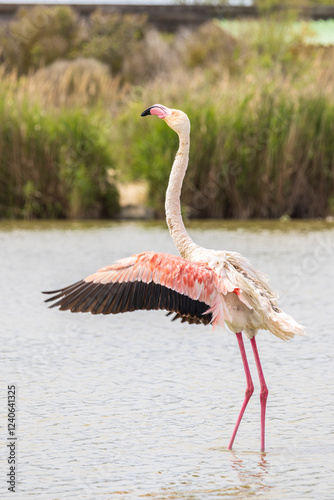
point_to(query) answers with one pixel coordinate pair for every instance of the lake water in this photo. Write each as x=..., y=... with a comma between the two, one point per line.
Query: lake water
x=134, y=406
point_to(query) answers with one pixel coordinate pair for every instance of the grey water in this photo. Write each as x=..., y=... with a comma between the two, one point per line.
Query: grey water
x=135, y=406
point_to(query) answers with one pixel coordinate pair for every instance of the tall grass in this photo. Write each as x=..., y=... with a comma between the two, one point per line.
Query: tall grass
x=262, y=126
x=54, y=164
x=255, y=152
x=83, y=83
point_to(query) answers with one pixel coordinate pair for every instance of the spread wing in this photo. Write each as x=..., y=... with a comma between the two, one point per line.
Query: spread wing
x=148, y=280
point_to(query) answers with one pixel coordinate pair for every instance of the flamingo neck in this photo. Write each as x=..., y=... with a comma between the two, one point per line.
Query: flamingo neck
x=178, y=232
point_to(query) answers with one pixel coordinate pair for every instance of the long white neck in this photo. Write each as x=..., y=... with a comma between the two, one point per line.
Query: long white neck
x=178, y=232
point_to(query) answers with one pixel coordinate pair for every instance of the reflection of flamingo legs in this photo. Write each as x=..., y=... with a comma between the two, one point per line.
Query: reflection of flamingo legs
x=264, y=391
x=249, y=389
x=251, y=471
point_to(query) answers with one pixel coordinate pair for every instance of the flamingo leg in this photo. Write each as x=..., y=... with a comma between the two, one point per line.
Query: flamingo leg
x=249, y=389
x=263, y=393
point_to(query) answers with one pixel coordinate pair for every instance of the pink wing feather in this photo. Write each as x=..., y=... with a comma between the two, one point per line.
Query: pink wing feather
x=148, y=280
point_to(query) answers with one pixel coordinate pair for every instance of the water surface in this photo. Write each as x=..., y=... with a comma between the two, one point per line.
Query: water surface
x=135, y=406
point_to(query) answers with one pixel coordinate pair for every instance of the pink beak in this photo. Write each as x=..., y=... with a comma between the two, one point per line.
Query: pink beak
x=157, y=109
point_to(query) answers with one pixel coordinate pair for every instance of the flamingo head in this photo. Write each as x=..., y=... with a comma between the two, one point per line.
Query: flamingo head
x=175, y=119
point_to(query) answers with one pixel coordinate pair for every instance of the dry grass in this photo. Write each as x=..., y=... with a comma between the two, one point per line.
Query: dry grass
x=78, y=83
x=262, y=134
x=257, y=149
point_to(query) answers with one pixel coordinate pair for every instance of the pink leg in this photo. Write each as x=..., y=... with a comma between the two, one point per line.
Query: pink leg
x=249, y=390
x=263, y=393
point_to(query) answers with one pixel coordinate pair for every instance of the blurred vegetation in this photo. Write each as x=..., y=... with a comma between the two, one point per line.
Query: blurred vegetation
x=39, y=36
x=55, y=164
x=111, y=38
x=265, y=153
x=270, y=5
x=260, y=100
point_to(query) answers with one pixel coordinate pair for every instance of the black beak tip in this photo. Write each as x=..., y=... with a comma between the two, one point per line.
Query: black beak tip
x=147, y=111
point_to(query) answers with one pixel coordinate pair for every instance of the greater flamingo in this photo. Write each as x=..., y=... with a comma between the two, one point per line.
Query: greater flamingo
x=201, y=286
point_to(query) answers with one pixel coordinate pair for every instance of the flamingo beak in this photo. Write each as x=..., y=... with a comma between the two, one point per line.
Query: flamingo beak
x=157, y=109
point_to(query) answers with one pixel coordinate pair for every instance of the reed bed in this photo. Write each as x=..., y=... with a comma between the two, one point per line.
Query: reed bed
x=256, y=151
x=83, y=82
x=262, y=128
x=55, y=164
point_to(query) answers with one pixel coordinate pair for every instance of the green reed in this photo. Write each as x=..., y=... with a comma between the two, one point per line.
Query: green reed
x=261, y=107
x=54, y=164
x=261, y=153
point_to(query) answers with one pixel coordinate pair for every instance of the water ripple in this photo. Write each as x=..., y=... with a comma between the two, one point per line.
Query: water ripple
x=134, y=406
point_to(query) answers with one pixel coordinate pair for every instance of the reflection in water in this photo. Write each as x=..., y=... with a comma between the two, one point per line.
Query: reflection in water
x=251, y=474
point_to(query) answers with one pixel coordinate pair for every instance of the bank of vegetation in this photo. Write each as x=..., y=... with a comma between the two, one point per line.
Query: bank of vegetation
x=261, y=106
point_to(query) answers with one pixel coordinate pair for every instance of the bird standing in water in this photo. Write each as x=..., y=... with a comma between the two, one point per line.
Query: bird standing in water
x=202, y=286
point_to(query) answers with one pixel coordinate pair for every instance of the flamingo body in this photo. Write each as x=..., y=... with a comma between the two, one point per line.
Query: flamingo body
x=214, y=292
x=201, y=286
